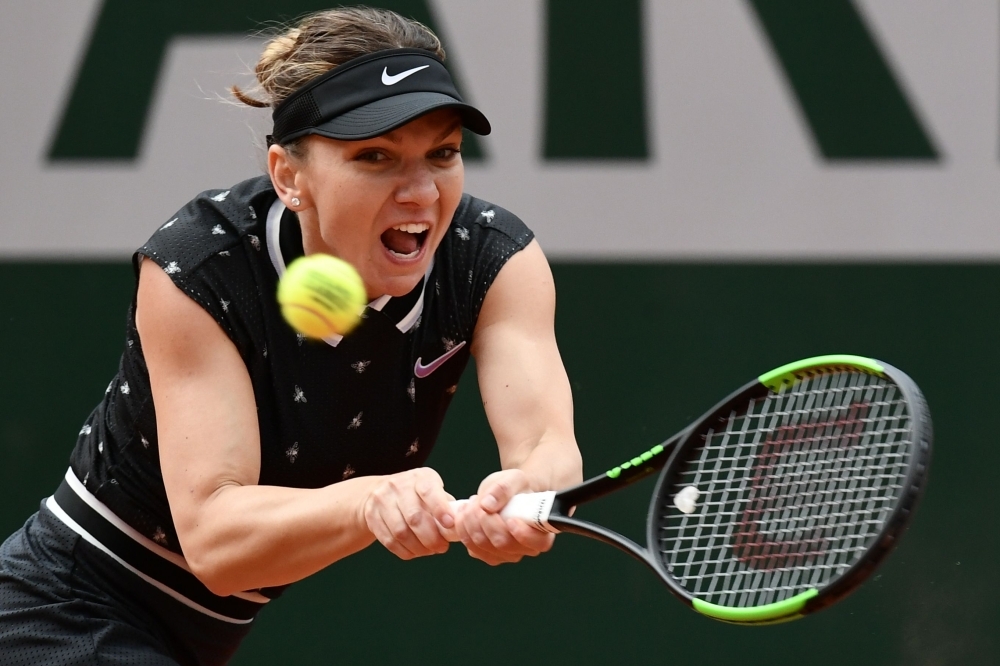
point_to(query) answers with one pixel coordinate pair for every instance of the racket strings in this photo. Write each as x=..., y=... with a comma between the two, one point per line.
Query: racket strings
x=792, y=491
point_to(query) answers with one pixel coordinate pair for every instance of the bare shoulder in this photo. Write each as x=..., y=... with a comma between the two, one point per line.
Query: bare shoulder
x=529, y=268
x=169, y=322
x=523, y=296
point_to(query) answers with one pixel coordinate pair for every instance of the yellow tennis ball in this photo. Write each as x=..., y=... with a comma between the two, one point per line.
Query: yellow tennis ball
x=321, y=295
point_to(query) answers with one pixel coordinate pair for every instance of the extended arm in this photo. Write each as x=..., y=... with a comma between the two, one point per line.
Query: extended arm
x=235, y=534
x=529, y=404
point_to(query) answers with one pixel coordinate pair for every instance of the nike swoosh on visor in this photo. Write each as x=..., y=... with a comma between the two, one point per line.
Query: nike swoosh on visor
x=391, y=80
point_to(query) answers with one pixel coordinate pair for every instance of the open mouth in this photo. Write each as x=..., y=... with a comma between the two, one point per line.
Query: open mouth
x=405, y=240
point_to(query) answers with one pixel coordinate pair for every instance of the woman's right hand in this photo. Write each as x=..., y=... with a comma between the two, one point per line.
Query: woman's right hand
x=409, y=513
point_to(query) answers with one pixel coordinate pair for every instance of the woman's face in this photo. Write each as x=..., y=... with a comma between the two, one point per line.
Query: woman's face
x=382, y=204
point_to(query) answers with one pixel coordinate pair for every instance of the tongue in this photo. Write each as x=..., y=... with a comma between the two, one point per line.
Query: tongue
x=400, y=242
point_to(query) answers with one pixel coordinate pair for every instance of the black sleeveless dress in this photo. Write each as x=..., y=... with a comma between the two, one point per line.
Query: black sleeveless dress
x=370, y=403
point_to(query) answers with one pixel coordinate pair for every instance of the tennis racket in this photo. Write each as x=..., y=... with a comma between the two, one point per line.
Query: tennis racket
x=781, y=499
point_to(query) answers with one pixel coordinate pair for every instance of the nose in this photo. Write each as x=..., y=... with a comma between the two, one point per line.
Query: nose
x=418, y=187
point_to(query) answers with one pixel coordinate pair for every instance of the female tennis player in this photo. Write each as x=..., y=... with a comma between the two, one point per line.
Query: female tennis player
x=231, y=457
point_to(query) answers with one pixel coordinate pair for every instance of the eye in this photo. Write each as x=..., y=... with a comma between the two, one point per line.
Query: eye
x=371, y=156
x=446, y=153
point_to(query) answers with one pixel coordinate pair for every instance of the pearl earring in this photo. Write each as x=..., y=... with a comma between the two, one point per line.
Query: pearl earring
x=295, y=201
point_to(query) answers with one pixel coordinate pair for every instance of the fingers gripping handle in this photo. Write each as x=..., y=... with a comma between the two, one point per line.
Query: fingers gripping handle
x=532, y=508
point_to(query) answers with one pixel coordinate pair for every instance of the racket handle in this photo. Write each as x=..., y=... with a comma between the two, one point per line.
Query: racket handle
x=532, y=508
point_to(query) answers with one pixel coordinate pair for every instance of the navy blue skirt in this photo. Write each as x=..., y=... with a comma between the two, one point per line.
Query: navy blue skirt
x=64, y=601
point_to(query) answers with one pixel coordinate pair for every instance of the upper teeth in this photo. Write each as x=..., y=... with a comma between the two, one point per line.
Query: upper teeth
x=413, y=228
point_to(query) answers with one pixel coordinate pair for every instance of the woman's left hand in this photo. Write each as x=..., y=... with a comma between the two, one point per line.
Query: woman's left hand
x=486, y=535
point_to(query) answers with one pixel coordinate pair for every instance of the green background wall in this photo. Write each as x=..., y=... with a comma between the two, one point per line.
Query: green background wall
x=647, y=347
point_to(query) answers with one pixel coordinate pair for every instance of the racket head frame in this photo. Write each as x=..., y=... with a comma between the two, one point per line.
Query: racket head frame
x=895, y=524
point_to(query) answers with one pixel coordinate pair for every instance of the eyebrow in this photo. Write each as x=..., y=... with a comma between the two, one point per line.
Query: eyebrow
x=392, y=137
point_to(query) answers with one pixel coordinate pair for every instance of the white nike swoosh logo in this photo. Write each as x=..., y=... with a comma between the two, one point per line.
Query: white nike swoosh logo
x=422, y=371
x=396, y=78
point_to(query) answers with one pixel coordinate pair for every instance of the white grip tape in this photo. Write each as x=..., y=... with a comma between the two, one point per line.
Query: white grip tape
x=532, y=508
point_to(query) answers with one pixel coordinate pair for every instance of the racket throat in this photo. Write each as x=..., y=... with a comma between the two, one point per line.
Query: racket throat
x=547, y=511
x=583, y=528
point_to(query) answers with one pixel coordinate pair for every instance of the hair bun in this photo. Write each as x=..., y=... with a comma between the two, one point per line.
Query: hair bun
x=276, y=50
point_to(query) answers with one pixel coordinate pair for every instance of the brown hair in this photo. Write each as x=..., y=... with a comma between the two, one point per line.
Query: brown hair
x=323, y=40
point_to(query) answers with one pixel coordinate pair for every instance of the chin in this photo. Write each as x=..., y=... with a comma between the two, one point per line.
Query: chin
x=394, y=285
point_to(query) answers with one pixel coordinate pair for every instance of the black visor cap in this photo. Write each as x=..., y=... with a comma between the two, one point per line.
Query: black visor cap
x=372, y=95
